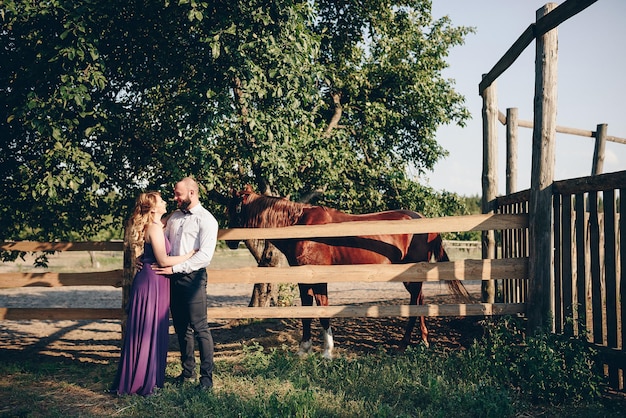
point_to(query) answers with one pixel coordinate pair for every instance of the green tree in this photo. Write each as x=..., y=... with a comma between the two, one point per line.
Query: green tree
x=101, y=99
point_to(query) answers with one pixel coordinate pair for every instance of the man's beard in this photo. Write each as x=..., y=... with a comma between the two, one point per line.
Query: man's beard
x=184, y=204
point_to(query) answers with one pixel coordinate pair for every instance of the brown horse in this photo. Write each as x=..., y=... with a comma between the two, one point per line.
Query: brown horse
x=251, y=210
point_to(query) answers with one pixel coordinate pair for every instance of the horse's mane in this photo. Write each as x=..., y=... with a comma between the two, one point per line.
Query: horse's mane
x=272, y=212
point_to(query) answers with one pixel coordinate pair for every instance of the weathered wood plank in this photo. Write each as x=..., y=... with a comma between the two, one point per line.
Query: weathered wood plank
x=513, y=268
x=596, y=278
x=557, y=16
x=504, y=120
x=360, y=228
x=348, y=311
x=56, y=314
x=62, y=246
x=101, y=278
x=558, y=276
x=414, y=226
x=518, y=197
x=598, y=183
x=338, y=311
x=610, y=268
x=567, y=272
x=581, y=264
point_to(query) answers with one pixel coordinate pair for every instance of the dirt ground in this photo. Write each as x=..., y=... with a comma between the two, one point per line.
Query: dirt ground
x=99, y=341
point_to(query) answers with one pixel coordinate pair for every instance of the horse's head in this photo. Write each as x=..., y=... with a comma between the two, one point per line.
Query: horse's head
x=237, y=212
x=247, y=209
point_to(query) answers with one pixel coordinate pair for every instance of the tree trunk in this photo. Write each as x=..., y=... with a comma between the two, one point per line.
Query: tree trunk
x=266, y=255
x=263, y=295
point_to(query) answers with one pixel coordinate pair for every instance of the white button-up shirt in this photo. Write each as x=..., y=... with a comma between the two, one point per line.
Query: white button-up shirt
x=191, y=231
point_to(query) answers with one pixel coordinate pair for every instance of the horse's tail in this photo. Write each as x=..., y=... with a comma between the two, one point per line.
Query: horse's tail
x=436, y=250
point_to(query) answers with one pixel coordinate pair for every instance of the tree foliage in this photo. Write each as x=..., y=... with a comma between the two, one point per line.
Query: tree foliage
x=101, y=99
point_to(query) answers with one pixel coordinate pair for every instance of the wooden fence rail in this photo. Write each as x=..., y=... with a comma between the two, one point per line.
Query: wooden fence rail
x=502, y=118
x=456, y=270
x=514, y=268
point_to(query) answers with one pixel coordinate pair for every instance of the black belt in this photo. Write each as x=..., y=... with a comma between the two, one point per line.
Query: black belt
x=177, y=276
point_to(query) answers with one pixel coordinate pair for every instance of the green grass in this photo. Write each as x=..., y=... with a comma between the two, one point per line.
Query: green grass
x=500, y=376
x=503, y=375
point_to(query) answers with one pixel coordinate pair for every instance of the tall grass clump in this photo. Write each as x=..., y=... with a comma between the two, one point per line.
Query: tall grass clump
x=544, y=367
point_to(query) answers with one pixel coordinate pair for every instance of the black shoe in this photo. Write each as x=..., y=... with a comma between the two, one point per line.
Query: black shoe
x=205, y=388
x=155, y=392
x=111, y=391
x=181, y=379
x=206, y=384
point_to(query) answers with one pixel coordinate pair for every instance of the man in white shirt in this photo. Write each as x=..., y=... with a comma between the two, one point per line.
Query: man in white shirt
x=191, y=227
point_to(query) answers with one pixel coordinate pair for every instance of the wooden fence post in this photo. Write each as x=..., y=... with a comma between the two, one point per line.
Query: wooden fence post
x=489, y=179
x=511, y=150
x=541, y=270
x=598, y=152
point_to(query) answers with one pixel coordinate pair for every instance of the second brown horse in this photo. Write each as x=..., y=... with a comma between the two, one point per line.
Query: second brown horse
x=251, y=210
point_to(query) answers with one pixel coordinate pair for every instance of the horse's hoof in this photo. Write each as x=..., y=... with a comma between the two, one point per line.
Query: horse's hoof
x=329, y=344
x=403, y=345
x=306, y=347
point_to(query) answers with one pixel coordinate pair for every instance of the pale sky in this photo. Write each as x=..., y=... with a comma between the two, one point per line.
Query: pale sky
x=591, y=88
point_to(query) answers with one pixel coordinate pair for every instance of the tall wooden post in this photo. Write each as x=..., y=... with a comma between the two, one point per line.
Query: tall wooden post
x=540, y=298
x=489, y=179
x=511, y=150
x=510, y=238
x=598, y=152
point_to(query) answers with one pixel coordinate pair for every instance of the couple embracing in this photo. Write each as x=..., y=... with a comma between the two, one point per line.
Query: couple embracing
x=172, y=277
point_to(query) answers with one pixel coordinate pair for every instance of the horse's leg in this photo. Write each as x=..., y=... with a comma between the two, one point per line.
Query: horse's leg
x=416, y=297
x=306, y=297
x=321, y=298
x=420, y=301
x=406, y=340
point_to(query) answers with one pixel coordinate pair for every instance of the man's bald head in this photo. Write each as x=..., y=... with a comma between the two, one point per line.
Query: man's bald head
x=186, y=193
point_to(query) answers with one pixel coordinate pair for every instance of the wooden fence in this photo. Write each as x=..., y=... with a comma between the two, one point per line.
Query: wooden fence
x=588, y=279
x=573, y=238
x=509, y=269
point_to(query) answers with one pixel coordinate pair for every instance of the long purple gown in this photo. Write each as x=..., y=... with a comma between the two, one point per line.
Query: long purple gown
x=144, y=352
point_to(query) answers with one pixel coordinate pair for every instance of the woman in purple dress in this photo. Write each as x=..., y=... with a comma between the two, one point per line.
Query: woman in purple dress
x=144, y=351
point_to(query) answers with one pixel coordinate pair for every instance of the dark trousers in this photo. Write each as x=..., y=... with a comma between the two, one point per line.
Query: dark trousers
x=189, y=305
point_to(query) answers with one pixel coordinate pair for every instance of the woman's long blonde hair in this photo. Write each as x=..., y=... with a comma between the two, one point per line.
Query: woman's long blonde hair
x=142, y=216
